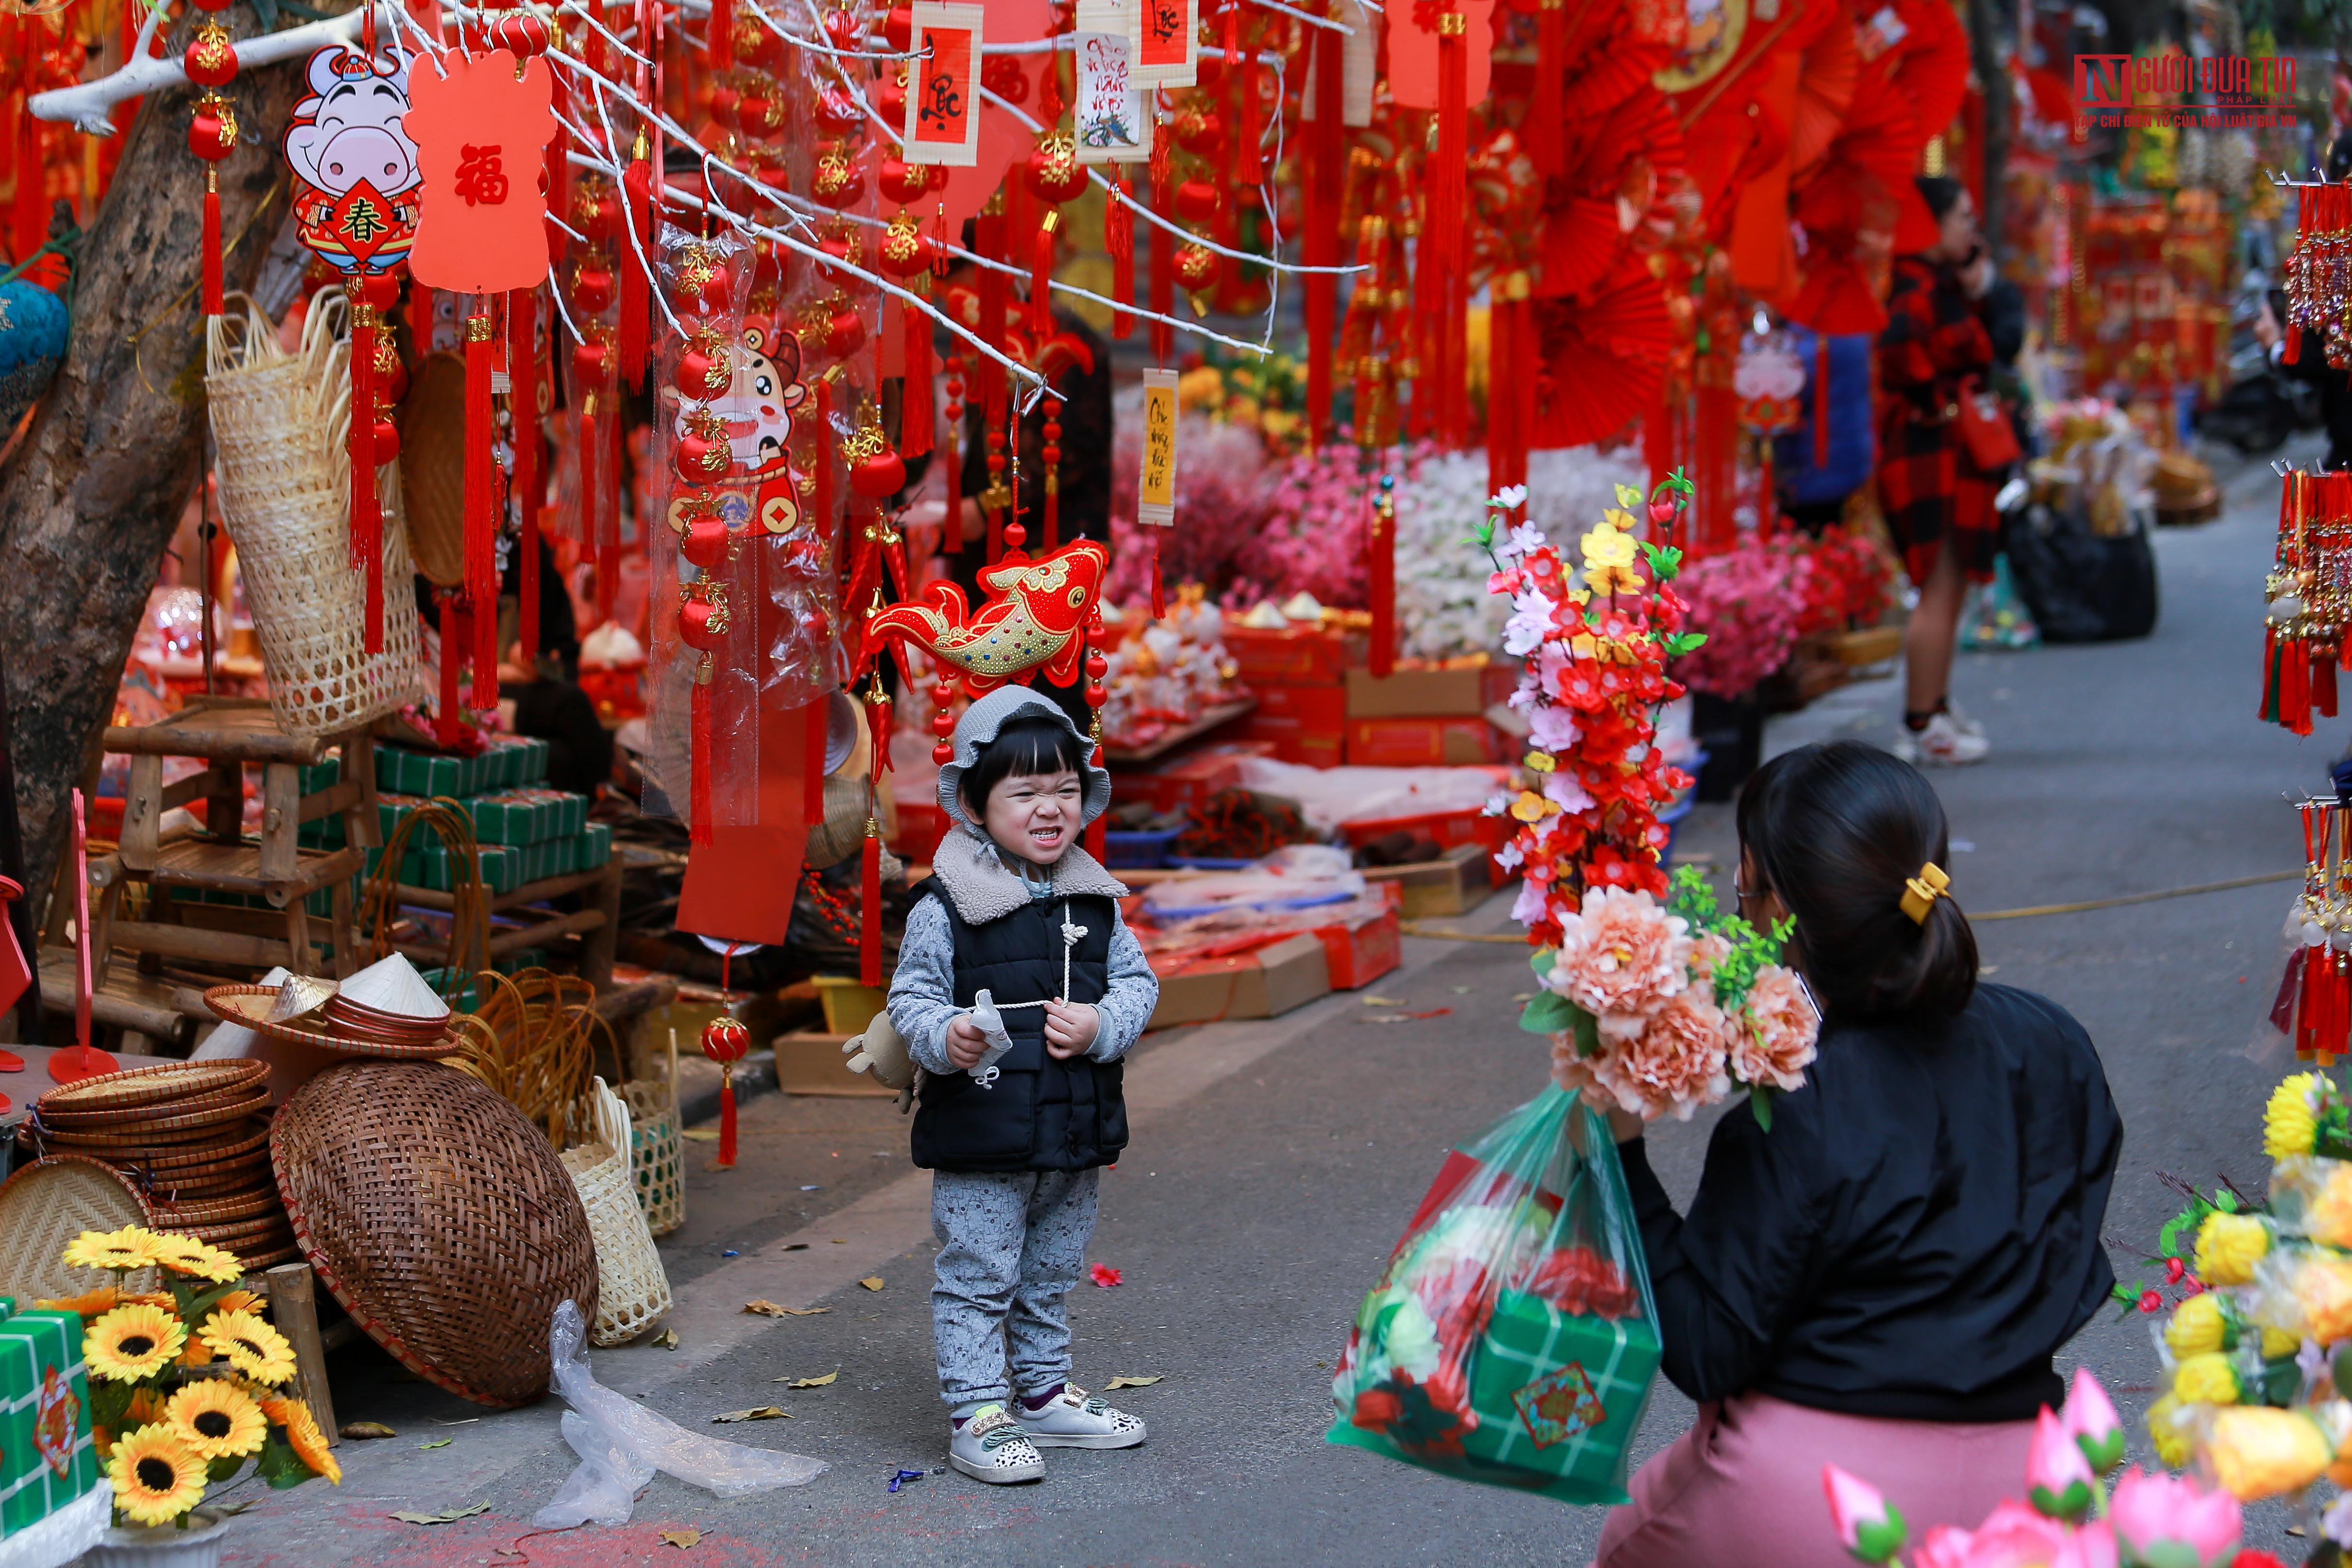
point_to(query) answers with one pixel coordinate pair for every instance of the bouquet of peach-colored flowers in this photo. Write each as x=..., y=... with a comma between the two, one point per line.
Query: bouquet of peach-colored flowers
x=1658, y=1009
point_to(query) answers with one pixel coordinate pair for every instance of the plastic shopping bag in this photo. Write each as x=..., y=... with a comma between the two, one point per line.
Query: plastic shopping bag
x=1512, y=1339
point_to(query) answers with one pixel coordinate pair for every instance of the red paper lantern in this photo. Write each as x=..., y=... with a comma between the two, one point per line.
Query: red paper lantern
x=891, y=102
x=705, y=540
x=592, y=290
x=212, y=129
x=1199, y=201
x=838, y=182
x=898, y=29
x=387, y=440
x=756, y=43
x=845, y=332
x=723, y=100
x=210, y=59
x=906, y=183
x=838, y=112
x=1053, y=174
x=588, y=363
x=904, y=250
x=596, y=211
x=703, y=369
x=1197, y=268
x=1201, y=131
x=703, y=626
x=880, y=473
x=703, y=456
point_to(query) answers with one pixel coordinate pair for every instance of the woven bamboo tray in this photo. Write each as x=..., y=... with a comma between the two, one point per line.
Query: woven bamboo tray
x=162, y=1124
x=73, y=1121
x=153, y=1085
x=439, y=1218
x=47, y=1204
x=248, y=1006
x=227, y=1209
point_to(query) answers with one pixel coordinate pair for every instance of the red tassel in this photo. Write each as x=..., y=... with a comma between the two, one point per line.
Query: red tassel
x=212, y=240
x=952, y=530
x=825, y=441
x=915, y=415
x=608, y=520
x=1820, y=400
x=446, y=721
x=587, y=444
x=2294, y=685
x=1163, y=254
x=2323, y=687
x=1096, y=830
x=481, y=507
x=1159, y=598
x=721, y=35
x=1040, y=279
x=1541, y=127
x=2269, y=710
x=1118, y=239
x=367, y=515
x=1383, y=588
x=698, y=798
x=725, y=1114
x=869, y=908
x=522, y=403
x=637, y=306
x=2293, y=355
x=815, y=723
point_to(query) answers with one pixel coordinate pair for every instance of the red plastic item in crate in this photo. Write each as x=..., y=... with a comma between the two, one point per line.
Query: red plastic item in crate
x=1305, y=724
x=1447, y=828
x=1358, y=954
x=1420, y=742
x=1184, y=784
x=1295, y=656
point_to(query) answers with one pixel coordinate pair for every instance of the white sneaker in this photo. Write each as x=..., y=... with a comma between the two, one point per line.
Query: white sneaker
x=1962, y=722
x=1074, y=1421
x=992, y=1447
x=1942, y=741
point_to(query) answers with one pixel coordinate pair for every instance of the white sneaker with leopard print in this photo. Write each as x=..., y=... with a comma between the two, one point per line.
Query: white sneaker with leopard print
x=1074, y=1420
x=992, y=1447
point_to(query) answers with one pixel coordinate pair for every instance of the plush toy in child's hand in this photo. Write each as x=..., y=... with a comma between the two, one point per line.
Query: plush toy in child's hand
x=881, y=1053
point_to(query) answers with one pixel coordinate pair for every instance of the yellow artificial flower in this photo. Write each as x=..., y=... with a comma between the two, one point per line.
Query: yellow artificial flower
x=2227, y=1248
x=2196, y=1328
x=90, y=1304
x=197, y=1259
x=1609, y=556
x=133, y=1247
x=216, y=1420
x=2176, y=1445
x=2277, y=1342
x=146, y=1405
x=1531, y=808
x=198, y=1353
x=302, y=1435
x=156, y=1479
x=132, y=1341
x=2259, y=1452
x=252, y=1346
x=2323, y=1293
x=2207, y=1379
x=2290, y=1127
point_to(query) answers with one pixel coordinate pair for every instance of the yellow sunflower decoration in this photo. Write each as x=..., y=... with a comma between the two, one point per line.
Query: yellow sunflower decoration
x=199, y=1353
x=216, y=1420
x=302, y=1435
x=252, y=1346
x=156, y=1479
x=130, y=1247
x=132, y=1342
x=196, y=1259
x=91, y=1304
x=146, y=1405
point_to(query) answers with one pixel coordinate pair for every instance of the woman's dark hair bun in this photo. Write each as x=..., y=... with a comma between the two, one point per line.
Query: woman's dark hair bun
x=1838, y=829
x=1940, y=192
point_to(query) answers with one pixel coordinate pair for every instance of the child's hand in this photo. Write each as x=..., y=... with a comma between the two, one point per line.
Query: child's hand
x=1070, y=1029
x=966, y=1045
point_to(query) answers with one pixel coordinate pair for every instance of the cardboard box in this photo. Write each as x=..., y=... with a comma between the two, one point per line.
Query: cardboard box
x=48, y=1457
x=1451, y=886
x=811, y=1063
x=1461, y=690
x=1305, y=724
x=1420, y=742
x=1295, y=656
x=1356, y=955
x=1183, y=784
x=1262, y=984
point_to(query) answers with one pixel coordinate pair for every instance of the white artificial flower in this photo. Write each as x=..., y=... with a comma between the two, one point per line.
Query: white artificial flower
x=1509, y=857
x=1530, y=622
x=1553, y=727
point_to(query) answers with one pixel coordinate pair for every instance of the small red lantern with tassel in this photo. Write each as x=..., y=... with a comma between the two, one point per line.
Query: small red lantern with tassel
x=725, y=1041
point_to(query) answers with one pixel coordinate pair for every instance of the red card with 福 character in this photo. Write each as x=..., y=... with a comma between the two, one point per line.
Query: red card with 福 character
x=481, y=131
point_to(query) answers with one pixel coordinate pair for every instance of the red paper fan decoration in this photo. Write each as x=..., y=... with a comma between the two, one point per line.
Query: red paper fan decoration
x=1603, y=357
x=1619, y=167
x=1933, y=75
x=1613, y=50
x=1829, y=73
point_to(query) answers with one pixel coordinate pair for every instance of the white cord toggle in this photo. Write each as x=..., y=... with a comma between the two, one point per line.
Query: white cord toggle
x=987, y=1014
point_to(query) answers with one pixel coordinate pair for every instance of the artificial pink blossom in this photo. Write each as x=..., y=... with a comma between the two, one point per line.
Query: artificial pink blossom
x=1553, y=727
x=2012, y=1536
x=1623, y=954
x=2058, y=1479
x=1707, y=950
x=1675, y=1065
x=1867, y=1524
x=1563, y=789
x=2092, y=1422
x=2167, y=1519
x=1772, y=1036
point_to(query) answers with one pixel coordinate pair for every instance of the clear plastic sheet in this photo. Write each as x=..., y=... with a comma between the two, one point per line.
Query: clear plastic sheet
x=620, y=1443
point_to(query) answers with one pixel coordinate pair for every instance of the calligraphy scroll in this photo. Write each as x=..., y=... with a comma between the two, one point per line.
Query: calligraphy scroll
x=942, y=100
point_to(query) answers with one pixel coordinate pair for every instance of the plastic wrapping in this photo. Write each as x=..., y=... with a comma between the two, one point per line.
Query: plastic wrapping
x=1299, y=877
x=621, y=1445
x=1512, y=1339
x=1329, y=796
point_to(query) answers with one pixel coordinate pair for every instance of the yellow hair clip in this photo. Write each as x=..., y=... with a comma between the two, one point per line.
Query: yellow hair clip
x=1920, y=892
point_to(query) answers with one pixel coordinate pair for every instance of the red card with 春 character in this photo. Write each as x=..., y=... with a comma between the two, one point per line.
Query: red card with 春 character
x=481, y=130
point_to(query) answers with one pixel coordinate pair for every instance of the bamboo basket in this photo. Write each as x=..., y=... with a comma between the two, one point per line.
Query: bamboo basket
x=279, y=421
x=631, y=1289
x=657, y=1150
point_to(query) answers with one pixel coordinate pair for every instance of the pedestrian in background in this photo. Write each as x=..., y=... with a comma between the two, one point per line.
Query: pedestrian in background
x=1880, y=1280
x=1019, y=990
x=1935, y=351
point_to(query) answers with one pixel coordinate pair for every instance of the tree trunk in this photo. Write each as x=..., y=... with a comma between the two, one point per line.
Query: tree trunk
x=91, y=498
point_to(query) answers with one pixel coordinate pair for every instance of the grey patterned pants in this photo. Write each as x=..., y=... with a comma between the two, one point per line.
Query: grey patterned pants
x=1011, y=1247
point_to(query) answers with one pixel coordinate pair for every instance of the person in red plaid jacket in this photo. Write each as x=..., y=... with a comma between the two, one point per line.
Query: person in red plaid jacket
x=1939, y=503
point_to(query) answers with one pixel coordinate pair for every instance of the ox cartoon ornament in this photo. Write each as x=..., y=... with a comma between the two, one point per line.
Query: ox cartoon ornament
x=355, y=183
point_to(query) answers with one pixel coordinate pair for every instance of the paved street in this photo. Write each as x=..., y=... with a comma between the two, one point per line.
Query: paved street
x=1273, y=1165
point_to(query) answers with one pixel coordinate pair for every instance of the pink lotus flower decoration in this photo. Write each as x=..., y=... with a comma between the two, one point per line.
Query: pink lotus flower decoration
x=1867, y=1524
x=2170, y=1520
x=2058, y=1478
x=2014, y=1536
x=2091, y=1421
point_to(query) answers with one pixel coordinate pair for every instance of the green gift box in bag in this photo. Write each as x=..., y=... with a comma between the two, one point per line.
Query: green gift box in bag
x=48, y=1457
x=1512, y=1339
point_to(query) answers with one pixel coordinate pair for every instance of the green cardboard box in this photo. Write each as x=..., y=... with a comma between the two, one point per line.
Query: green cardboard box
x=1558, y=1395
x=595, y=846
x=325, y=773
x=501, y=869
x=48, y=1457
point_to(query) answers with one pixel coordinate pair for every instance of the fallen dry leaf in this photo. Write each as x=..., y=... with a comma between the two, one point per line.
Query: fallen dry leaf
x=833, y=1376
x=1132, y=1380
x=1382, y=1001
x=681, y=1539
x=667, y=1340
x=872, y=1281
x=702, y=1135
x=362, y=1431
x=443, y=1443
x=447, y=1515
x=771, y=1309
x=756, y=1413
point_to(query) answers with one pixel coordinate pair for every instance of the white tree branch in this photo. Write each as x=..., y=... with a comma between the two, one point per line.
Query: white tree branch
x=86, y=105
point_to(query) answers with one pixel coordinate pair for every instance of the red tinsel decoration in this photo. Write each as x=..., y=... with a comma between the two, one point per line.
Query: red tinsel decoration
x=481, y=507
x=870, y=907
x=522, y=405
x=1118, y=239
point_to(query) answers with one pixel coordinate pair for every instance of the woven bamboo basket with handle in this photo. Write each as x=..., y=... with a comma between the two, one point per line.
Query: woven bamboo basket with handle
x=631, y=1288
x=281, y=422
x=657, y=1151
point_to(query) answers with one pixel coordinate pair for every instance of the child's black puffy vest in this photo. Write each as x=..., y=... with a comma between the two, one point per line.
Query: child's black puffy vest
x=1040, y=1114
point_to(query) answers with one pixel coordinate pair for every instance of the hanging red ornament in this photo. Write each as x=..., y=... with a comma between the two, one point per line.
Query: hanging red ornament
x=593, y=287
x=837, y=113
x=875, y=472
x=844, y=332
x=706, y=541
x=1197, y=268
x=904, y=252
x=210, y=59
x=704, y=368
x=1052, y=172
x=838, y=180
x=1198, y=202
x=1202, y=133
x=704, y=456
x=890, y=103
x=637, y=301
x=1118, y=239
x=725, y=1041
